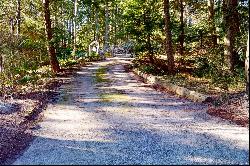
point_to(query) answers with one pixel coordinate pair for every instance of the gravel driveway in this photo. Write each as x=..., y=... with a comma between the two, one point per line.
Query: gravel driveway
x=112, y=118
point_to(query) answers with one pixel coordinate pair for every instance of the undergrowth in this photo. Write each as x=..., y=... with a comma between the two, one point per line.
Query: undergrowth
x=204, y=73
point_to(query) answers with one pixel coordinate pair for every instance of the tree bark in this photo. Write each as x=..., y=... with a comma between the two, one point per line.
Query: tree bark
x=106, y=38
x=74, y=26
x=231, y=19
x=72, y=31
x=115, y=37
x=181, y=37
x=1, y=63
x=150, y=49
x=18, y=17
x=247, y=67
x=211, y=21
x=68, y=31
x=96, y=25
x=169, y=48
x=50, y=47
x=12, y=25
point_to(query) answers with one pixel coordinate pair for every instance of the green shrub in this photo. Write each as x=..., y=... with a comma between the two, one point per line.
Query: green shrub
x=107, y=55
x=212, y=66
x=93, y=57
x=67, y=62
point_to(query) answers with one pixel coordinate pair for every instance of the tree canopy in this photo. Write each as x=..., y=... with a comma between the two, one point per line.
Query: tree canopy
x=36, y=33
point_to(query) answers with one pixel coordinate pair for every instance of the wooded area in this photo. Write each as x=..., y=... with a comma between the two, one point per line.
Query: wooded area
x=124, y=82
x=202, y=39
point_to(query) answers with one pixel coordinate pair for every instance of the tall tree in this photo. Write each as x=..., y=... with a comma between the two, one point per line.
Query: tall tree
x=148, y=31
x=247, y=67
x=18, y=17
x=106, y=37
x=115, y=26
x=169, y=48
x=182, y=34
x=50, y=46
x=12, y=25
x=96, y=36
x=74, y=26
x=231, y=18
x=211, y=14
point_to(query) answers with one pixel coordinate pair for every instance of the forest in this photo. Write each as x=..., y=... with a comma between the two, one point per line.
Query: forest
x=124, y=82
x=184, y=38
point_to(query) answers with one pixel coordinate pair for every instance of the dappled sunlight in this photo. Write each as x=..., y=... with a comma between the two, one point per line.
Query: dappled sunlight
x=152, y=114
x=90, y=68
x=82, y=72
x=120, y=75
x=87, y=100
x=122, y=124
x=234, y=134
x=153, y=121
x=68, y=122
x=124, y=82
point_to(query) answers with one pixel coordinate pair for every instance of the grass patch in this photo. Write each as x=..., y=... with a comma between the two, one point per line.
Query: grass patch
x=116, y=96
x=100, y=75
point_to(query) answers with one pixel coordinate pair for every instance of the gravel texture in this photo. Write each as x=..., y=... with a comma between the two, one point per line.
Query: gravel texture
x=23, y=113
x=125, y=121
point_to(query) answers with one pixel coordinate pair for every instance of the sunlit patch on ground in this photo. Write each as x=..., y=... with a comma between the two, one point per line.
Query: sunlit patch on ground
x=122, y=121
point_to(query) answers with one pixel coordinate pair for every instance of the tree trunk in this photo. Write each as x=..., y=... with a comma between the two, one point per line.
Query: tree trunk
x=115, y=37
x=181, y=37
x=150, y=49
x=231, y=19
x=18, y=17
x=72, y=31
x=68, y=31
x=1, y=74
x=1, y=64
x=74, y=26
x=169, y=48
x=12, y=26
x=106, y=38
x=50, y=47
x=96, y=25
x=201, y=38
x=211, y=21
x=247, y=67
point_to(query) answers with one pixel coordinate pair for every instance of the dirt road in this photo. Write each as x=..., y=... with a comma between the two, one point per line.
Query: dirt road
x=107, y=116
